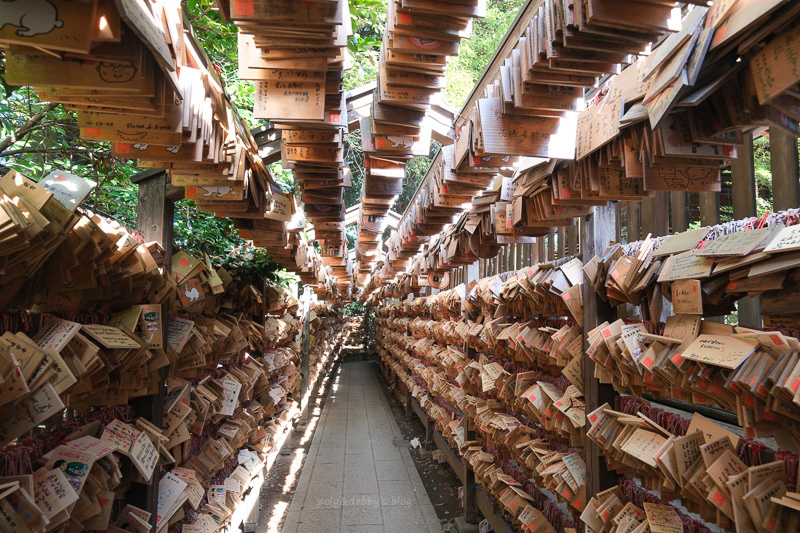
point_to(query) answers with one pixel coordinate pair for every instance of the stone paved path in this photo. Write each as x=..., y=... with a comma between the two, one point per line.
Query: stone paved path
x=359, y=475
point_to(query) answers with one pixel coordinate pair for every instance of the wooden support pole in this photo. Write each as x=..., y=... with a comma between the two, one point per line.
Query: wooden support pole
x=572, y=239
x=562, y=239
x=783, y=163
x=709, y=216
x=551, y=246
x=709, y=208
x=470, y=511
x=743, y=177
x=306, y=344
x=155, y=212
x=154, y=218
x=598, y=232
x=655, y=215
x=541, y=248
x=678, y=211
x=632, y=223
x=647, y=223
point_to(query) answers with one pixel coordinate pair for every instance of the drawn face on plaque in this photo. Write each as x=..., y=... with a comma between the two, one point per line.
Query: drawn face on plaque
x=116, y=72
x=132, y=136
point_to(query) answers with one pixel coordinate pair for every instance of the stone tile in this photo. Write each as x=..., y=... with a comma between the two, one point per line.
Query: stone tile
x=365, y=510
x=327, y=473
x=386, y=453
x=364, y=529
x=397, y=493
x=382, y=439
x=406, y=456
x=319, y=521
x=403, y=520
x=327, y=455
x=323, y=496
x=333, y=441
x=289, y=523
x=391, y=471
x=360, y=483
x=357, y=435
x=358, y=447
x=359, y=461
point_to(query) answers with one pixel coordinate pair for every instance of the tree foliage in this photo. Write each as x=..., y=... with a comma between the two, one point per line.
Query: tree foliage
x=54, y=143
x=464, y=71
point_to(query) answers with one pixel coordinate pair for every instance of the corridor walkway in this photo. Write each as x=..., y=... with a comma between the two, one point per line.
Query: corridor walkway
x=359, y=475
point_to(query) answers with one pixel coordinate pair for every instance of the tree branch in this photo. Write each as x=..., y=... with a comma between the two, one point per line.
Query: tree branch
x=70, y=150
x=26, y=128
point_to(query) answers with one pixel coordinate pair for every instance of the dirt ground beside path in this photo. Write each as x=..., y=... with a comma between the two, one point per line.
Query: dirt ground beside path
x=441, y=483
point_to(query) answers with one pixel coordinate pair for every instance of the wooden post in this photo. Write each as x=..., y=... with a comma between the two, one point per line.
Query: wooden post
x=743, y=176
x=154, y=218
x=562, y=232
x=306, y=346
x=709, y=216
x=470, y=514
x=551, y=246
x=678, y=211
x=632, y=221
x=655, y=215
x=709, y=208
x=570, y=248
x=598, y=231
x=155, y=212
x=541, y=250
x=783, y=163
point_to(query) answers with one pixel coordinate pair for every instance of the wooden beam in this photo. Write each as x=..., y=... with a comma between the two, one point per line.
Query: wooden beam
x=785, y=172
x=598, y=231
